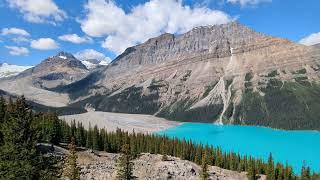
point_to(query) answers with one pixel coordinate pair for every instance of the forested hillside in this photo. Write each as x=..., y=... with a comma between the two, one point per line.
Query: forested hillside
x=21, y=130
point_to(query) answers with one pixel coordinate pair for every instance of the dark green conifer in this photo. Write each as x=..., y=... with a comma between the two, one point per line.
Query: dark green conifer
x=204, y=175
x=71, y=170
x=270, y=168
x=95, y=138
x=252, y=170
x=305, y=173
x=55, y=134
x=89, y=137
x=288, y=173
x=18, y=156
x=125, y=165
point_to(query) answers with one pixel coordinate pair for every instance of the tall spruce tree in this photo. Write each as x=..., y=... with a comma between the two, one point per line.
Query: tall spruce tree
x=18, y=155
x=252, y=170
x=2, y=114
x=305, y=173
x=270, y=168
x=2, y=109
x=55, y=134
x=89, y=143
x=125, y=164
x=204, y=175
x=71, y=170
x=96, y=138
x=288, y=173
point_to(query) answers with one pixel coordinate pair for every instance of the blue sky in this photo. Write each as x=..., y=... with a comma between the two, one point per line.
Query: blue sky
x=31, y=30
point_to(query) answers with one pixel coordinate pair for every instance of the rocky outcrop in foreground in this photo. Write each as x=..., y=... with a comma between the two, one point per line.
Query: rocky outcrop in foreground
x=149, y=166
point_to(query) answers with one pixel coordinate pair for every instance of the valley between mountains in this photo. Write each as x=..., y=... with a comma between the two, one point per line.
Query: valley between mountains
x=225, y=74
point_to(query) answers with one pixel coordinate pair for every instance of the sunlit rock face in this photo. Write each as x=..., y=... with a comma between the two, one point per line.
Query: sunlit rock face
x=220, y=74
x=209, y=74
x=38, y=83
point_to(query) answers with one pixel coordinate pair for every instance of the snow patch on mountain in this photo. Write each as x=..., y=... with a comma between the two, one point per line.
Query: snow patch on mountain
x=92, y=58
x=91, y=64
x=63, y=57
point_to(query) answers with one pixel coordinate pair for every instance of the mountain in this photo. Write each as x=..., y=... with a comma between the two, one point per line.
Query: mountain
x=223, y=74
x=7, y=70
x=218, y=74
x=317, y=45
x=94, y=63
x=35, y=83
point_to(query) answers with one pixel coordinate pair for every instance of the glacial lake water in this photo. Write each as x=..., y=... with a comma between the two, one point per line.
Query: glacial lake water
x=294, y=147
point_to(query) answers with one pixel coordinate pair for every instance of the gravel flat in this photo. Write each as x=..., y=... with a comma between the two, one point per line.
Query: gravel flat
x=128, y=122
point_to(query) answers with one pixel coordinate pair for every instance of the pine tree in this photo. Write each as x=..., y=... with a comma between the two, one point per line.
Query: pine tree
x=66, y=133
x=56, y=134
x=18, y=156
x=252, y=170
x=270, y=168
x=71, y=171
x=204, y=175
x=279, y=174
x=288, y=173
x=89, y=137
x=80, y=135
x=198, y=155
x=95, y=138
x=305, y=173
x=2, y=115
x=125, y=165
x=2, y=109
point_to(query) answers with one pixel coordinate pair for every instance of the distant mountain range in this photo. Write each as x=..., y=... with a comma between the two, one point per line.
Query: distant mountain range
x=94, y=63
x=317, y=45
x=7, y=70
x=226, y=74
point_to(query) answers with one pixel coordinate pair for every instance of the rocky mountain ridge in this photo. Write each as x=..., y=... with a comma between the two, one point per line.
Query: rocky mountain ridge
x=317, y=45
x=223, y=74
x=35, y=83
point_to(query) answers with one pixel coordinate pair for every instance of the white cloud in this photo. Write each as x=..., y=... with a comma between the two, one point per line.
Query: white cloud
x=144, y=21
x=20, y=39
x=38, y=11
x=17, y=51
x=74, y=38
x=44, y=44
x=312, y=39
x=14, y=31
x=247, y=2
x=91, y=54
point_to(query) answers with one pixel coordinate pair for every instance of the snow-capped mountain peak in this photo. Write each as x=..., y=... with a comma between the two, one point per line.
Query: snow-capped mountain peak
x=7, y=70
x=93, y=63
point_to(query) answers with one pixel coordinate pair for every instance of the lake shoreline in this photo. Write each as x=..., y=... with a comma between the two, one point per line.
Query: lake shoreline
x=255, y=141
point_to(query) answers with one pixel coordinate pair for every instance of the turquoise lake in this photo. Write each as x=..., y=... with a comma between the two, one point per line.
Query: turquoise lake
x=294, y=147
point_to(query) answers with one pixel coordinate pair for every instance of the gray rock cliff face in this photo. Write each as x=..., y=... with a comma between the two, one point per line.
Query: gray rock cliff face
x=201, y=41
x=223, y=74
x=208, y=74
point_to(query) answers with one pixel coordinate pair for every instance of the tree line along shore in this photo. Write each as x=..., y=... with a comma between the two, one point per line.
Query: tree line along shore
x=21, y=130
